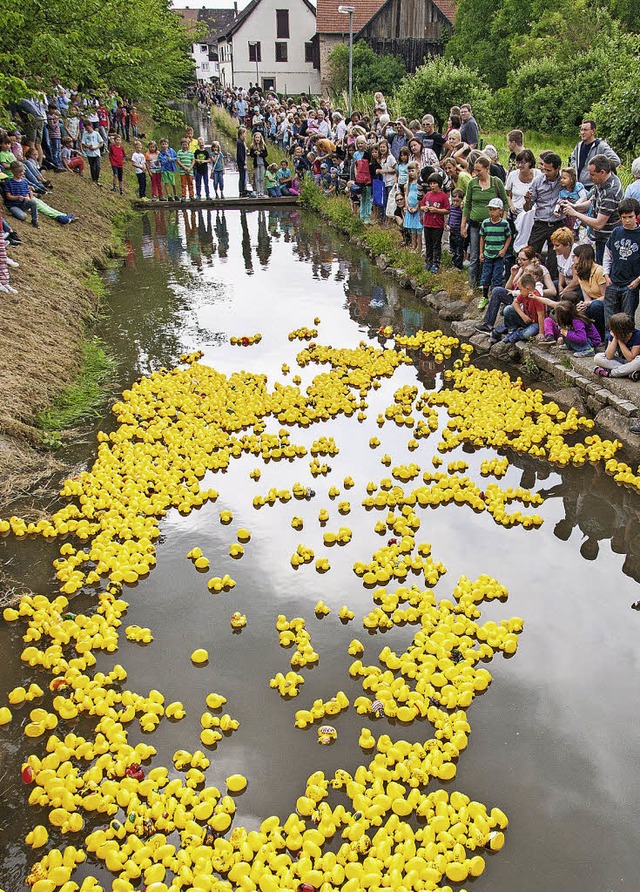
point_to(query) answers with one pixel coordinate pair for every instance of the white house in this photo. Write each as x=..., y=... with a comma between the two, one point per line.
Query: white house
x=271, y=42
x=209, y=23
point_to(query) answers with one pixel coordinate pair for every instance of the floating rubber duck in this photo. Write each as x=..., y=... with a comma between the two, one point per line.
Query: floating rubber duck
x=226, y=517
x=199, y=656
x=345, y=614
x=238, y=620
x=321, y=609
x=236, y=550
x=215, y=701
x=326, y=734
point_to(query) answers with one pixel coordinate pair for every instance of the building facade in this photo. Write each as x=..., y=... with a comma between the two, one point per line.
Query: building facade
x=271, y=43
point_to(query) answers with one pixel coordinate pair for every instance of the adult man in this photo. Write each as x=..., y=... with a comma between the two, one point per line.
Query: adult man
x=432, y=139
x=586, y=149
x=321, y=125
x=515, y=144
x=469, y=129
x=544, y=194
x=241, y=107
x=601, y=203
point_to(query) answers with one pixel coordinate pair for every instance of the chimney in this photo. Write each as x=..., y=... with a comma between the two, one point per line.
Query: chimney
x=235, y=8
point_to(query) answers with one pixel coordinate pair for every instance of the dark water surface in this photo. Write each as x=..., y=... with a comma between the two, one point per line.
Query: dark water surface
x=554, y=740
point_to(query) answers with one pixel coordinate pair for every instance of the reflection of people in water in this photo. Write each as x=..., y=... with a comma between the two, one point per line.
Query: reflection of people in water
x=174, y=242
x=601, y=510
x=246, y=244
x=264, y=240
x=223, y=234
x=191, y=237
x=205, y=235
x=160, y=240
x=146, y=242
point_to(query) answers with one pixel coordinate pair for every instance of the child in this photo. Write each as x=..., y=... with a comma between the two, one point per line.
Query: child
x=193, y=142
x=92, y=144
x=116, y=160
x=72, y=125
x=241, y=161
x=412, y=222
x=334, y=181
x=621, y=359
x=217, y=169
x=397, y=217
x=168, y=165
x=495, y=238
x=622, y=263
x=185, y=161
x=271, y=182
x=402, y=168
x=4, y=265
x=456, y=242
x=71, y=158
x=55, y=136
x=524, y=318
x=573, y=191
x=18, y=195
x=435, y=207
x=140, y=165
x=15, y=145
x=202, y=159
x=571, y=329
x=284, y=177
x=155, y=170
x=134, y=120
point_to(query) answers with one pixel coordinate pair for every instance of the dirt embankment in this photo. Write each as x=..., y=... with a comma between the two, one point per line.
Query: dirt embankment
x=43, y=326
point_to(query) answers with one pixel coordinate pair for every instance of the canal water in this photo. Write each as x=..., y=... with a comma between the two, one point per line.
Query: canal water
x=554, y=740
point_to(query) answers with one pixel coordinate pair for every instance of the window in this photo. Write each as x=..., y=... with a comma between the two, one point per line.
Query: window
x=204, y=48
x=282, y=24
x=308, y=52
x=281, y=52
x=255, y=51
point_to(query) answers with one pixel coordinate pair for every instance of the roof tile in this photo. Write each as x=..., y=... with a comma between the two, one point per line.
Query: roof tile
x=330, y=21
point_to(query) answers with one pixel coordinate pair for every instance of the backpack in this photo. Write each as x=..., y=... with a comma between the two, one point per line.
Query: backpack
x=363, y=172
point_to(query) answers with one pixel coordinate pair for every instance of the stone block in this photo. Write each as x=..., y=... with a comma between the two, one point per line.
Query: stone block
x=569, y=398
x=616, y=426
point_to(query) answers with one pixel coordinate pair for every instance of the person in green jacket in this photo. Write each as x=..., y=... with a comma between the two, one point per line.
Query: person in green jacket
x=482, y=188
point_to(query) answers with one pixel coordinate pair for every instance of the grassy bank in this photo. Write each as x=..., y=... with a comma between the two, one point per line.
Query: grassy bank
x=46, y=330
x=383, y=241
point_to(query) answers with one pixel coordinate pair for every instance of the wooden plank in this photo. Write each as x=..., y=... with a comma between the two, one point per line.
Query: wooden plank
x=249, y=204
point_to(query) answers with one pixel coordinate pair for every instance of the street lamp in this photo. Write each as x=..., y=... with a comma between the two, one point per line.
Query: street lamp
x=349, y=10
x=256, y=44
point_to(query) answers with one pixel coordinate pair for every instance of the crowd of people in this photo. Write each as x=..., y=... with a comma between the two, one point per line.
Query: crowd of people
x=61, y=131
x=556, y=248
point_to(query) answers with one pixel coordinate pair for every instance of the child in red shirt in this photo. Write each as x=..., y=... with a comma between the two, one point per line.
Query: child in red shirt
x=524, y=318
x=116, y=159
x=435, y=207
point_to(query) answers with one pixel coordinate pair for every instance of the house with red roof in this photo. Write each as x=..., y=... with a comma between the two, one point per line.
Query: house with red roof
x=412, y=29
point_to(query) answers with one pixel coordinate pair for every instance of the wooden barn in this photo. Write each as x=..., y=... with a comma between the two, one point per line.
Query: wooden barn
x=412, y=29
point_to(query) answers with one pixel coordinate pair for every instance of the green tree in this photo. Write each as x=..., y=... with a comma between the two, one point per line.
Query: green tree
x=437, y=85
x=140, y=49
x=370, y=71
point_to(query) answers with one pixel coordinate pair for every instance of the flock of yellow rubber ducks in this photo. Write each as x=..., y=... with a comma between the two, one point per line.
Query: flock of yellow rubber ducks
x=172, y=833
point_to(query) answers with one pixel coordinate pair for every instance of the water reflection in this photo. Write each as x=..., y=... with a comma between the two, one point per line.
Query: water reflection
x=190, y=242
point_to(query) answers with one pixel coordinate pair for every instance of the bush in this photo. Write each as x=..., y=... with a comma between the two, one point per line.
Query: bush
x=617, y=113
x=554, y=93
x=370, y=71
x=439, y=84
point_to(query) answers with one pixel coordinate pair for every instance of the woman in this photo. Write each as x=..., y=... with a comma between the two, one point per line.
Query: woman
x=482, y=188
x=503, y=296
x=454, y=147
x=590, y=279
x=497, y=170
x=460, y=178
x=562, y=242
x=517, y=185
x=387, y=171
x=361, y=175
x=422, y=156
x=258, y=154
x=633, y=189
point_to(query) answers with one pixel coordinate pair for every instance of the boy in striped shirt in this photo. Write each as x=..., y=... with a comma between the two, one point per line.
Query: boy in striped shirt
x=495, y=238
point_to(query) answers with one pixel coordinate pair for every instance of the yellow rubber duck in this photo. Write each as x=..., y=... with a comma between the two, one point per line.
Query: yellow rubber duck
x=238, y=620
